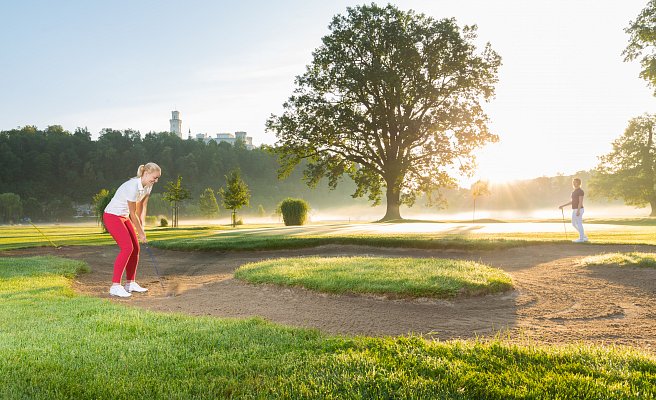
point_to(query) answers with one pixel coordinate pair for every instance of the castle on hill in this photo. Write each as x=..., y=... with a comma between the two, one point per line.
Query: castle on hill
x=176, y=127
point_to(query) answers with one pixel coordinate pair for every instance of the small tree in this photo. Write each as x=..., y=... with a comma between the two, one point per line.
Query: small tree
x=208, y=204
x=176, y=194
x=10, y=207
x=59, y=208
x=261, y=212
x=478, y=189
x=236, y=193
x=99, y=202
x=33, y=208
x=294, y=211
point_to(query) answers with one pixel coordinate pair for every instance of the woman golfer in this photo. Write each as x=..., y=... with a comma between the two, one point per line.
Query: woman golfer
x=124, y=217
x=577, y=210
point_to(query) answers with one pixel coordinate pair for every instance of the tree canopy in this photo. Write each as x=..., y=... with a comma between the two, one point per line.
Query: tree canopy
x=628, y=171
x=478, y=189
x=642, y=43
x=175, y=194
x=236, y=194
x=11, y=208
x=393, y=99
x=208, y=204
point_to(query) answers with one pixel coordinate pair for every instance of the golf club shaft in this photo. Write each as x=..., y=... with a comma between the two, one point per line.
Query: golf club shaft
x=44, y=235
x=152, y=258
x=564, y=225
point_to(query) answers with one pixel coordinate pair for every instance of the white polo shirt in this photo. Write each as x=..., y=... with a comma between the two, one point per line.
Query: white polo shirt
x=131, y=190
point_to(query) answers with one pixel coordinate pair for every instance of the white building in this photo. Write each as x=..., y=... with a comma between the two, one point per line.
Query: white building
x=176, y=127
x=228, y=138
x=176, y=123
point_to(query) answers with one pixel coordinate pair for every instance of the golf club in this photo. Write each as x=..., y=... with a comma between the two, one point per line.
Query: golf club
x=152, y=258
x=564, y=225
x=44, y=235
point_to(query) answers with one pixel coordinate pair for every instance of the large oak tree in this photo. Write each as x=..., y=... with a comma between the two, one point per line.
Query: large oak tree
x=393, y=99
x=628, y=172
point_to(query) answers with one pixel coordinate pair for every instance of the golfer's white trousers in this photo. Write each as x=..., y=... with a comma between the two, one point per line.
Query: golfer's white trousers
x=577, y=223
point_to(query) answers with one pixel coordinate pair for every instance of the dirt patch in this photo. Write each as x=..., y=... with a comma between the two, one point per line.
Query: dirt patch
x=556, y=300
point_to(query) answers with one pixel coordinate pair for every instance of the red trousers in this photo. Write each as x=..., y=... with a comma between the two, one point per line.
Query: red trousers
x=123, y=232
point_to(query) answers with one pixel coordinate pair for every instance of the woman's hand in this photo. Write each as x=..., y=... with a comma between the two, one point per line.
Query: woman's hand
x=142, y=237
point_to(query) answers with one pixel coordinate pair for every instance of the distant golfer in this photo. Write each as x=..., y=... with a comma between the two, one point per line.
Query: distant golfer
x=124, y=218
x=577, y=210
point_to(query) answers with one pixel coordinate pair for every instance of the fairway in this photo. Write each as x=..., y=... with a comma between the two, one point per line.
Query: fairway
x=457, y=235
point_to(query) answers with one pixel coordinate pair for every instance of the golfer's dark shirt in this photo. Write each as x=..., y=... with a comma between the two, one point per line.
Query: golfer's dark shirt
x=576, y=194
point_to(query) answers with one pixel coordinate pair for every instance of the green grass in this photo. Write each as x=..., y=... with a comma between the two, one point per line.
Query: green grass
x=219, y=238
x=474, y=241
x=398, y=277
x=16, y=237
x=57, y=345
x=226, y=239
x=648, y=221
x=241, y=241
x=45, y=267
x=628, y=236
x=633, y=259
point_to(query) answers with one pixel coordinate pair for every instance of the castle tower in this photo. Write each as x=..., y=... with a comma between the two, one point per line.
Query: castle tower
x=176, y=123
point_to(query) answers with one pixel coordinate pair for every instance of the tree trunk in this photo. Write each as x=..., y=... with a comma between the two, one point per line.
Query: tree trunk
x=652, y=203
x=172, y=215
x=393, y=203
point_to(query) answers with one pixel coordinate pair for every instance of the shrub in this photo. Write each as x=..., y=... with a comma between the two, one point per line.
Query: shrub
x=151, y=220
x=163, y=222
x=239, y=222
x=100, y=202
x=294, y=211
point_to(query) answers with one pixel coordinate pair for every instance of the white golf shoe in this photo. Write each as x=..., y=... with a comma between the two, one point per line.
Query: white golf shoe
x=118, y=291
x=134, y=287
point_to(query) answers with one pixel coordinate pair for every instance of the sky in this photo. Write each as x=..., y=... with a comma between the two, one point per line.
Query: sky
x=564, y=91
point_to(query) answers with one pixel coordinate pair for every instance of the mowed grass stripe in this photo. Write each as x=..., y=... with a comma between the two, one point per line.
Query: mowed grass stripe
x=57, y=345
x=225, y=242
x=403, y=277
x=204, y=238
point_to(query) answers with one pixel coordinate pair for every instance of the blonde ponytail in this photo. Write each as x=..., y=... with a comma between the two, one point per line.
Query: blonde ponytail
x=151, y=166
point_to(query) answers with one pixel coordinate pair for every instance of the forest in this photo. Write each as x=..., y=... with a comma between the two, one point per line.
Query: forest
x=53, y=171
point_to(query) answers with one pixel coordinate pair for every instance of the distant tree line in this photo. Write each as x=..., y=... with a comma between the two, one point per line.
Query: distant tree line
x=45, y=173
x=530, y=194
